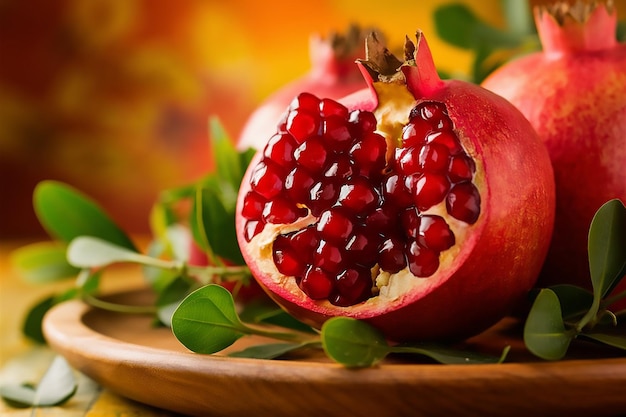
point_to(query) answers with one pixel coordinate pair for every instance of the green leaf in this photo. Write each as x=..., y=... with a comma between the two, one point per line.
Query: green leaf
x=91, y=252
x=267, y=351
x=227, y=161
x=458, y=25
x=170, y=298
x=353, y=343
x=31, y=327
x=575, y=301
x=614, y=340
x=607, y=247
x=43, y=262
x=66, y=214
x=544, y=332
x=214, y=226
x=621, y=31
x=455, y=24
x=56, y=387
x=206, y=321
x=518, y=16
x=449, y=355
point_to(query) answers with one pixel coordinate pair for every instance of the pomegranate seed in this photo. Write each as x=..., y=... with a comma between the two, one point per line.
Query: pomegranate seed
x=286, y=259
x=298, y=183
x=410, y=220
x=340, y=169
x=434, y=157
x=391, y=258
x=323, y=195
x=328, y=257
x=305, y=241
x=447, y=139
x=267, y=179
x=369, y=154
x=311, y=154
x=358, y=196
x=253, y=228
x=316, y=283
x=280, y=149
x=408, y=160
x=330, y=107
x=253, y=204
x=336, y=134
x=430, y=189
x=380, y=219
x=414, y=133
x=362, y=247
x=396, y=192
x=433, y=112
x=334, y=225
x=302, y=125
x=306, y=101
x=461, y=168
x=353, y=286
x=281, y=210
x=434, y=233
x=363, y=122
x=423, y=262
x=463, y=202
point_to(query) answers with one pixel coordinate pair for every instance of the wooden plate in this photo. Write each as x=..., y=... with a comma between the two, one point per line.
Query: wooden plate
x=133, y=358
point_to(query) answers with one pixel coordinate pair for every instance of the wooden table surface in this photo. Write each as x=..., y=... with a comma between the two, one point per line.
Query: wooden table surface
x=22, y=361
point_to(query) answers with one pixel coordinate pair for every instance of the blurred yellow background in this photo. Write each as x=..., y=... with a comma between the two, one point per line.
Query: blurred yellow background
x=113, y=96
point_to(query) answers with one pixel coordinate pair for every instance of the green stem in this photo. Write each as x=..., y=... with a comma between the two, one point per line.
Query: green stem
x=118, y=308
x=591, y=317
x=294, y=336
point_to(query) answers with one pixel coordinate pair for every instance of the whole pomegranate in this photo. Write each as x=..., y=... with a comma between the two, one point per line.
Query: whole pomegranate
x=574, y=94
x=421, y=206
x=332, y=75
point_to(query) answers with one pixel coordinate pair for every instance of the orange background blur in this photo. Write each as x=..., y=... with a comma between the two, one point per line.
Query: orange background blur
x=113, y=96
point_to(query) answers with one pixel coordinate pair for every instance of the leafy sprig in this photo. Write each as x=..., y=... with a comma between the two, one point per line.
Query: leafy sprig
x=563, y=313
x=207, y=322
x=86, y=240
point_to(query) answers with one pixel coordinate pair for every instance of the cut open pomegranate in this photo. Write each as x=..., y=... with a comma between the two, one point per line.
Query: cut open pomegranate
x=339, y=170
x=424, y=207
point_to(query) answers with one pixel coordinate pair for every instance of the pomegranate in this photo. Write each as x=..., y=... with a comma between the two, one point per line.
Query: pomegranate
x=332, y=75
x=421, y=206
x=574, y=94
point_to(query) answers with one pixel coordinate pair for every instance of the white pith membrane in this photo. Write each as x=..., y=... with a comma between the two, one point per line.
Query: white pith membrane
x=392, y=114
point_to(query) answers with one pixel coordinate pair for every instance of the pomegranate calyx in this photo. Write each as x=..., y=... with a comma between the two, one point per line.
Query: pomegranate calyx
x=417, y=70
x=380, y=63
x=583, y=26
x=336, y=53
x=422, y=78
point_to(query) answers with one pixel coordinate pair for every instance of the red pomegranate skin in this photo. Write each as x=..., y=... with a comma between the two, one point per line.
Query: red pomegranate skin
x=503, y=250
x=574, y=95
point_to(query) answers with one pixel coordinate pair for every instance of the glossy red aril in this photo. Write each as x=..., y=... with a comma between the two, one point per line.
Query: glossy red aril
x=424, y=206
x=574, y=94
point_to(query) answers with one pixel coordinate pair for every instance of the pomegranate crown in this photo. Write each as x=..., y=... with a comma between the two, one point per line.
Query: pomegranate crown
x=417, y=68
x=579, y=12
x=582, y=26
